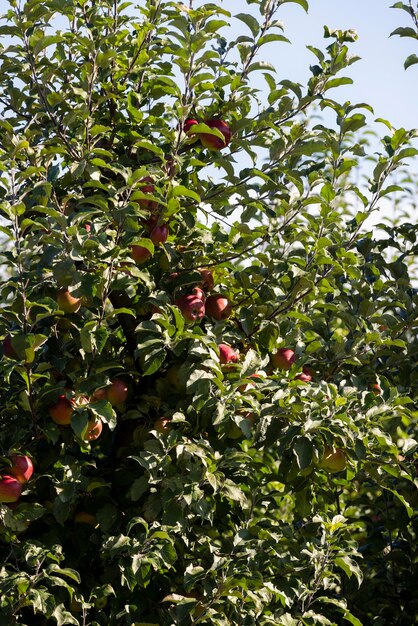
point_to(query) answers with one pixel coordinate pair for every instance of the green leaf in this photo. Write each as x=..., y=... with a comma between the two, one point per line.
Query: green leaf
x=182, y=191
x=261, y=65
x=411, y=60
x=405, y=32
x=337, y=82
x=303, y=451
x=63, y=616
x=250, y=21
x=303, y=3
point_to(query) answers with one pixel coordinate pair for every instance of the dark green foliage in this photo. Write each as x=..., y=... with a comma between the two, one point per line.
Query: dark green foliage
x=223, y=515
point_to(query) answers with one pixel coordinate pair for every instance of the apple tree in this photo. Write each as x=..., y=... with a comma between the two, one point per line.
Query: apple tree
x=209, y=356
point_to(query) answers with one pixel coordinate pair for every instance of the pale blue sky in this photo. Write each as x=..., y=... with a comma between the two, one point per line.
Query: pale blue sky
x=379, y=77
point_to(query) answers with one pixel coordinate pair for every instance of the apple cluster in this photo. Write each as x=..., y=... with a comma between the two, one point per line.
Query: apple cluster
x=12, y=481
x=158, y=231
x=196, y=305
x=62, y=410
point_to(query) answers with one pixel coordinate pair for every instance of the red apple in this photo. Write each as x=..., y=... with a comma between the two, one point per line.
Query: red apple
x=159, y=234
x=140, y=254
x=207, y=280
x=334, y=460
x=8, y=349
x=22, y=467
x=199, y=293
x=188, y=125
x=305, y=376
x=218, y=307
x=192, y=308
x=227, y=354
x=62, y=410
x=10, y=489
x=245, y=387
x=94, y=430
x=144, y=203
x=212, y=142
x=283, y=359
x=377, y=390
x=99, y=394
x=162, y=425
x=66, y=302
x=117, y=392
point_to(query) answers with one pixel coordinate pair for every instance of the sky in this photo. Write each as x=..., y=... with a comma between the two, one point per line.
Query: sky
x=379, y=77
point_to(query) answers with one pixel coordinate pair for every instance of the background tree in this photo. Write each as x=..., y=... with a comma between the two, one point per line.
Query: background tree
x=208, y=355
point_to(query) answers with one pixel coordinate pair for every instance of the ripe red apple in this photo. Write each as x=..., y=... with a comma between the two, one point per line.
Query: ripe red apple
x=334, y=460
x=207, y=280
x=94, y=430
x=212, y=142
x=377, y=390
x=99, y=394
x=140, y=254
x=8, y=349
x=151, y=222
x=199, y=293
x=62, y=410
x=159, y=234
x=305, y=376
x=162, y=425
x=22, y=467
x=283, y=359
x=10, y=489
x=148, y=187
x=218, y=307
x=227, y=354
x=66, y=302
x=188, y=125
x=192, y=308
x=117, y=392
x=245, y=387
